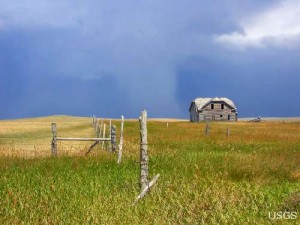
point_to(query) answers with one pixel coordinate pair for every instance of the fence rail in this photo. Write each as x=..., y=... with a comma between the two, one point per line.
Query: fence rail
x=82, y=139
x=101, y=136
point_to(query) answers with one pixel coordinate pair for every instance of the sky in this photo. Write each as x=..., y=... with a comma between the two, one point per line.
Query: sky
x=114, y=57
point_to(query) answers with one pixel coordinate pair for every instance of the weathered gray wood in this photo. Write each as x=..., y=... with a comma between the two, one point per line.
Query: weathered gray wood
x=54, y=140
x=228, y=131
x=146, y=189
x=207, y=129
x=97, y=130
x=143, y=150
x=96, y=126
x=110, y=128
x=121, y=141
x=113, y=138
x=109, y=134
x=93, y=120
x=91, y=147
x=81, y=139
x=207, y=109
x=103, y=136
x=101, y=128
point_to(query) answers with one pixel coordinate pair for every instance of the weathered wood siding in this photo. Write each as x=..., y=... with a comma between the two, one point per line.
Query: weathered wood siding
x=194, y=115
x=214, y=111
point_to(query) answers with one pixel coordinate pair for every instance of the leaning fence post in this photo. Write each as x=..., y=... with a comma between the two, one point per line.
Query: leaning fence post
x=147, y=188
x=113, y=138
x=143, y=150
x=121, y=140
x=54, y=143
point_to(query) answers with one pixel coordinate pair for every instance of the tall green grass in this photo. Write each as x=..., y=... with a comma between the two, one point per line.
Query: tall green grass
x=211, y=179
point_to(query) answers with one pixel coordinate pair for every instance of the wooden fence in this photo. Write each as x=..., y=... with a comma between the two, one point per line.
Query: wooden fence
x=101, y=137
x=145, y=185
x=100, y=128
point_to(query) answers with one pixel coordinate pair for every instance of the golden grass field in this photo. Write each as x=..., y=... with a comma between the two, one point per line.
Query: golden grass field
x=32, y=137
x=214, y=179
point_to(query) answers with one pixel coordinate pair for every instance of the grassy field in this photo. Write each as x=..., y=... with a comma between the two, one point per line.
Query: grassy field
x=215, y=179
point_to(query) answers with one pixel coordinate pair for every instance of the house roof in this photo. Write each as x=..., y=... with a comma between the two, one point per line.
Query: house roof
x=201, y=102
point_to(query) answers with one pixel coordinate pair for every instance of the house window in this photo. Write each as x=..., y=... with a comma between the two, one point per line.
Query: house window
x=228, y=117
x=212, y=106
x=221, y=116
x=222, y=106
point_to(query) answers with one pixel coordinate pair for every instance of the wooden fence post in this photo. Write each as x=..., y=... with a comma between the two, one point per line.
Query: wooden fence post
x=207, y=129
x=98, y=131
x=145, y=185
x=110, y=128
x=54, y=143
x=101, y=128
x=94, y=121
x=121, y=141
x=143, y=151
x=228, y=131
x=113, y=138
x=109, y=135
x=104, y=127
x=97, y=128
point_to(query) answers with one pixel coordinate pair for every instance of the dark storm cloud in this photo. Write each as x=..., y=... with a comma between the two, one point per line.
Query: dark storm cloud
x=137, y=54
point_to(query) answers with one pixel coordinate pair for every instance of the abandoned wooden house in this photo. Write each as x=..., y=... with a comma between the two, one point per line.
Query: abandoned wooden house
x=210, y=109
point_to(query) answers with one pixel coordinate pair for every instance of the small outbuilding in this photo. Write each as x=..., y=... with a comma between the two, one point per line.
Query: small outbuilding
x=213, y=109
